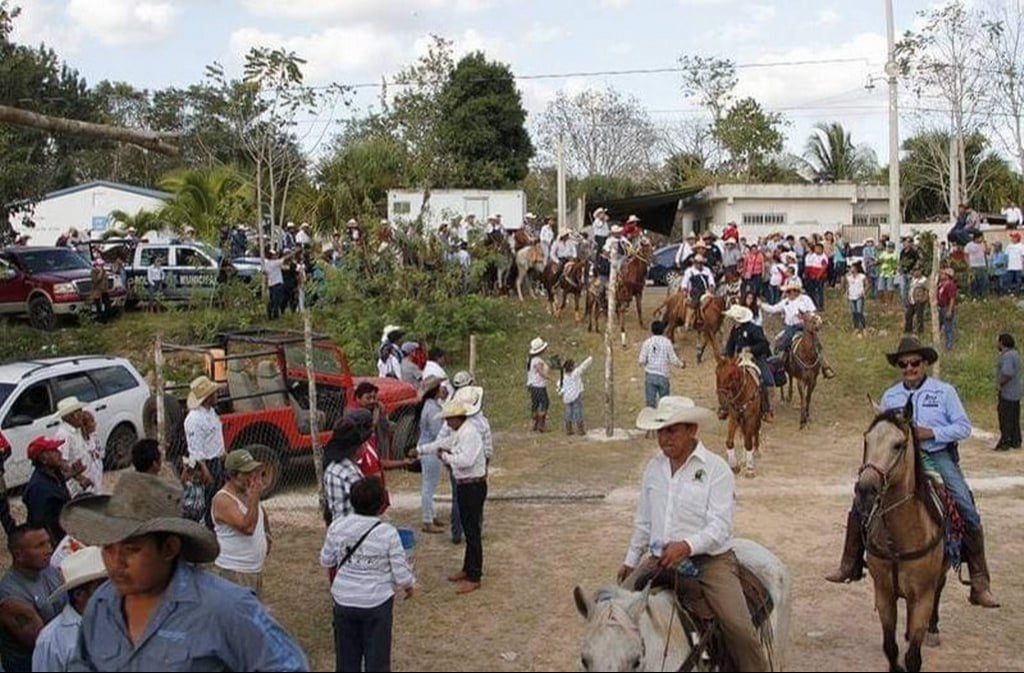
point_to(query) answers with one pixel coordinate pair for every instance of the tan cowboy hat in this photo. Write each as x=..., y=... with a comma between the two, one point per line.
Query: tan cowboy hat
x=462, y=379
x=673, y=410
x=740, y=314
x=454, y=409
x=537, y=345
x=472, y=397
x=200, y=388
x=78, y=568
x=68, y=406
x=911, y=345
x=140, y=504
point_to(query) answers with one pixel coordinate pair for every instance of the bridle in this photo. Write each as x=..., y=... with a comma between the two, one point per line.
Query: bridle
x=729, y=396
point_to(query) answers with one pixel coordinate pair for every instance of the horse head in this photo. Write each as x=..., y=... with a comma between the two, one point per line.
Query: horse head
x=811, y=321
x=728, y=383
x=890, y=459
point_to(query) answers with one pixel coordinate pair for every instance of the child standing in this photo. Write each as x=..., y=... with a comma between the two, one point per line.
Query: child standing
x=570, y=387
x=537, y=383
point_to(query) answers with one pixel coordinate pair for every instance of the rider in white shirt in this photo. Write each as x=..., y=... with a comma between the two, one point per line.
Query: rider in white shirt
x=794, y=306
x=547, y=237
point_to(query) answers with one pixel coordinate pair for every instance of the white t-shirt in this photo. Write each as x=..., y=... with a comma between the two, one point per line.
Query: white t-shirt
x=1012, y=215
x=1015, y=257
x=975, y=254
x=855, y=283
x=272, y=267
x=776, y=273
x=792, y=308
x=600, y=227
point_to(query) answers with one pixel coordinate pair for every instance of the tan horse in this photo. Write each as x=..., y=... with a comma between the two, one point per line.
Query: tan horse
x=739, y=399
x=595, y=306
x=803, y=364
x=904, y=535
x=528, y=259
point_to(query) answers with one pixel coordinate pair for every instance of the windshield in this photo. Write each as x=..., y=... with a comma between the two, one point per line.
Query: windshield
x=214, y=253
x=46, y=261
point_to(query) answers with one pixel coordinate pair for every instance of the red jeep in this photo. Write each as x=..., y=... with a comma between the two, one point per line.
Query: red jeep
x=264, y=401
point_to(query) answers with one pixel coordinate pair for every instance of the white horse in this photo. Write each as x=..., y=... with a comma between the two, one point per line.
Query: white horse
x=640, y=630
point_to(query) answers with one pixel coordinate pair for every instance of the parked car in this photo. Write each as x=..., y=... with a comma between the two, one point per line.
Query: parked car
x=192, y=269
x=663, y=265
x=111, y=388
x=46, y=283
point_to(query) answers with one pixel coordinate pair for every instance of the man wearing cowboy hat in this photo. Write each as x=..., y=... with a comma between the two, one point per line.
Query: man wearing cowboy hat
x=945, y=300
x=302, y=238
x=940, y=423
x=697, y=281
x=85, y=472
x=204, y=435
x=24, y=592
x=632, y=228
x=731, y=256
x=159, y=609
x=795, y=306
x=83, y=572
x=389, y=355
x=685, y=512
x=746, y=335
x=547, y=237
x=600, y=228
x=463, y=452
x=685, y=250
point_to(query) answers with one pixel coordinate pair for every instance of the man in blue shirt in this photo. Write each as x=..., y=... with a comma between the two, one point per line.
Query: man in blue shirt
x=940, y=422
x=159, y=612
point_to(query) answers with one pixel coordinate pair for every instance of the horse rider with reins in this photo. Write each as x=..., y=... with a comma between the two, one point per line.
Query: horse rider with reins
x=746, y=335
x=562, y=252
x=939, y=423
x=794, y=306
x=697, y=280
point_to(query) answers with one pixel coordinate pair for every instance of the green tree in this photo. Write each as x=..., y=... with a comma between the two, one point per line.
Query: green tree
x=751, y=136
x=208, y=198
x=832, y=155
x=482, y=126
x=354, y=179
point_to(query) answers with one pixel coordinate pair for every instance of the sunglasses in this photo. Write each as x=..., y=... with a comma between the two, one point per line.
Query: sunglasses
x=904, y=364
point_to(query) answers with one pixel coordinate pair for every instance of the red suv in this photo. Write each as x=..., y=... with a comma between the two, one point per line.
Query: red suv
x=264, y=400
x=46, y=283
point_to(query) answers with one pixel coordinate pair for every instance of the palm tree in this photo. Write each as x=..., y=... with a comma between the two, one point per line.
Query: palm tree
x=141, y=221
x=832, y=156
x=207, y=199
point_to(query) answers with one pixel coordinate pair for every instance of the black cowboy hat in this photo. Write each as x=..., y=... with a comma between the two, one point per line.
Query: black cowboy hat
x=912, y=345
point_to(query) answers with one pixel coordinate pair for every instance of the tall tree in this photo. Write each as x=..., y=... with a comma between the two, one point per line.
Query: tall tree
x=482, y=124
x=833, y=157
x=751, y=136
x=1005, y=28
x=207, y=199
x=604, y=133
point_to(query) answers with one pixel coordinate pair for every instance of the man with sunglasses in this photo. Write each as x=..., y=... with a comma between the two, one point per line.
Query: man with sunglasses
x=940, y=422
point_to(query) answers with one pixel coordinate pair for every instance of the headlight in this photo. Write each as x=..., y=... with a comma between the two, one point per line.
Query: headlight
x=65, y=288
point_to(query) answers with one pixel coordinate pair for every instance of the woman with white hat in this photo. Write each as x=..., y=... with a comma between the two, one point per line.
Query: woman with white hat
x=537, y=383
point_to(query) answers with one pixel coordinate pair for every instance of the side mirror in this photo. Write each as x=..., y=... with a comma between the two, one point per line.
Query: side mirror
x=19, y=421
x=10, y=274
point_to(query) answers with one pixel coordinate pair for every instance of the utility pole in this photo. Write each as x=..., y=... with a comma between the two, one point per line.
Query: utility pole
x=891, y=71
x=562, y=215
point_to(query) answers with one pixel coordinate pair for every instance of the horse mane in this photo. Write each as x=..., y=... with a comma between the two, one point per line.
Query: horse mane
x=896, y=417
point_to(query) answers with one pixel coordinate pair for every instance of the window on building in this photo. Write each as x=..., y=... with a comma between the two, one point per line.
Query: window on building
x=862, y=219
x=764, y=218
x=401, y=207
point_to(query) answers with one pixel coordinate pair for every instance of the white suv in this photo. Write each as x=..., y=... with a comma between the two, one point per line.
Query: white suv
x=110, y=387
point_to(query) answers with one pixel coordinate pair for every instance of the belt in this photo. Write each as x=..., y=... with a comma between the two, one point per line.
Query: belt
x=471, y=480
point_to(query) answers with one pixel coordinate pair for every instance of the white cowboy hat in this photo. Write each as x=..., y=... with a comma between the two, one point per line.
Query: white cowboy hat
x=68, y=405
x=81, y=567
x=462, y=379
x=600, y=211
x=740, y=314
x=472, y=397
x=632, y=218
x=351, y=223
x=290, y=225
x=531, y=216
x=388, y=329
x=699, y=258
x=453, y=408
x=616, y=228
x=140, y=504
x=537, y=346
x=793, y=283
x=673, y=410
x=200, y=388
x=730, y=241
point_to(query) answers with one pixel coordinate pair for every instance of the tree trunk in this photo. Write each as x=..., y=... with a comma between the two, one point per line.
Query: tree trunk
x=150, y=140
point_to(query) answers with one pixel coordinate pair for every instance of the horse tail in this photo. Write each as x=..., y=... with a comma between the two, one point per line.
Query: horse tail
x=663, y=307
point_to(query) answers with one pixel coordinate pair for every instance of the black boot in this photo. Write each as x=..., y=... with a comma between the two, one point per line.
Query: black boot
x=851, y=568
x=974, y=551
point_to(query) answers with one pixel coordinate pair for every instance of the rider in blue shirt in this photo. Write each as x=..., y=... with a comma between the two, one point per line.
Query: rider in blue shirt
x=939, y=423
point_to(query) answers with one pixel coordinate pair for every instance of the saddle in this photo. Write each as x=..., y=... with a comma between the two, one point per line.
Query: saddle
x=746, y=361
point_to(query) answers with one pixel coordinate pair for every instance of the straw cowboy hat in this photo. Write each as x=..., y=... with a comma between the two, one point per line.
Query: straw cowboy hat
x=537, y=345
x=200, y=388
x=740, y=314
x=68, y=406
x=911, y=345
x=616, y=229
x=454, y=409
x=673, y=410
x=140, y=504
x=81, y=567
x=600, y=211
x=463, y=379
x=793, y=283
x=472, y=397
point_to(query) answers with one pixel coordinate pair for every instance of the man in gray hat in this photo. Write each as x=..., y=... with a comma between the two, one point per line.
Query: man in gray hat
x=159, y=609
x=240, y=523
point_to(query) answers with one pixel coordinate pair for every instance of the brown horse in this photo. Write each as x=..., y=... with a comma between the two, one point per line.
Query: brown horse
x=739, y=399
x=709, y=323
x=803, y=364
x=572, y=281
x=904, y=534
x=595, y=305
x=632, y=279
x=674, y=308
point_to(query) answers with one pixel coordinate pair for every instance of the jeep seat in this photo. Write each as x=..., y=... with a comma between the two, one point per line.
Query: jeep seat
x=240, y=384
x=271, y=382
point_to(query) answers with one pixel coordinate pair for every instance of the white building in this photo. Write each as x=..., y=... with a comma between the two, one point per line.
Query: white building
x=450, y=205
x=798, y=209
x=86, y=207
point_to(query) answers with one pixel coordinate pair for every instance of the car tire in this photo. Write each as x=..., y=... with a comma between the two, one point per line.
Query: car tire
x=119, y=447
x=41, y=314
x=273, y=467
x=175, y=422
x=405, y=435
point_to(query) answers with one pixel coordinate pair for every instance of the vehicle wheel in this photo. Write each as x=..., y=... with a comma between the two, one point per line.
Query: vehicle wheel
x=40, y=313
x=405, y=435
x=273, y=466
x=119, y=447
x=672, y=279
x=175, y=421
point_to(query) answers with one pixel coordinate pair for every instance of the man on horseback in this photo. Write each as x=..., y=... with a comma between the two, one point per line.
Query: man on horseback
x=685, y=513
x=563, y=252
x=796, y=306
x=940, y=423
x=745, y=334
x=697, y=280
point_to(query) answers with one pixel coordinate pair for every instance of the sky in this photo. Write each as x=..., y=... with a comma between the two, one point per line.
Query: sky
x=808, y=60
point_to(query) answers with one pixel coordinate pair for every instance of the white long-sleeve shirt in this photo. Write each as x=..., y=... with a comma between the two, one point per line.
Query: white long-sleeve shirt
x=482, y=425
x=374, y=569
x=465, y=452
x=694, y=505
x=571, y=386
x=204, y=434
x=709, y=278
x=792, y=308
x=657, y=354
x=56, y=643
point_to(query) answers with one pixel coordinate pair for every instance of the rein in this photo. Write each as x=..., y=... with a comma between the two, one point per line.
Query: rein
x=733, y=397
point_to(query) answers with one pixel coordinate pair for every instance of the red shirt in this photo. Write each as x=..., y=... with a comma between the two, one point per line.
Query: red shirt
x=368, y=462
x=946, y=293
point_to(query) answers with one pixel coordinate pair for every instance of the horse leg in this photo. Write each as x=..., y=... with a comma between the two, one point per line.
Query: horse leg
x=802, y=389
x=730, y=443
x=749, y=442
x=885, y=603
x=918, y=616
x=639, y=308
x=931, y=639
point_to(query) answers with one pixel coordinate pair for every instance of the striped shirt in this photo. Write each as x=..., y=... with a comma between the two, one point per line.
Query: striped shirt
x=338, y=481
x=656, y=354
x=374, y=569
x=571, y=386
x=465, y=452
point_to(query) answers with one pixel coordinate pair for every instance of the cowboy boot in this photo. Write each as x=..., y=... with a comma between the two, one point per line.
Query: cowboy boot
x=580, y=429
x=766, y=406
x=536, y=422
x=568, y=427
x=541, y=420
x=851, y=567
x=974, y=546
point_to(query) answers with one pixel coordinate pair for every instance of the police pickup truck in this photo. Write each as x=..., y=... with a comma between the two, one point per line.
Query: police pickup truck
x=191, y=269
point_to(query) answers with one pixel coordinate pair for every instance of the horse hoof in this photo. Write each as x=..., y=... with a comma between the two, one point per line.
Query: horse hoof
x=932, y=639
x=749, y=473
x=735, y=468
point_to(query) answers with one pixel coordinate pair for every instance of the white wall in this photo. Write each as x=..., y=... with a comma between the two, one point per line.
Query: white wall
x=54, y=216
x=448, y=204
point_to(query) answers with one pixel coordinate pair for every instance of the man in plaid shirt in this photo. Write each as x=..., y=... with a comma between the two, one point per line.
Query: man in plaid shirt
x=656, y=355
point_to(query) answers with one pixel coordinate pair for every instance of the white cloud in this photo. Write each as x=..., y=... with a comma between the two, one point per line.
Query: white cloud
x=541, y=33
x=362, y=10
x=614, y=4
x=494, y=47
x=760, y=13
x=827, y=17
x=733, y=33
x=688, y=3
x=39, y=23
x=119, y=22
x=621, y=48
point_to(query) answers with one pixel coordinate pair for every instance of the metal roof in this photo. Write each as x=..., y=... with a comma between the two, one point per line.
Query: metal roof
x=131, y=189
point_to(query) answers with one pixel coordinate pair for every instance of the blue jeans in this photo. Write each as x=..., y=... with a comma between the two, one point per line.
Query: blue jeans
x=979, y=282
x=655, y=387
x=363, y=635
x=774, y=294
x=949, y=467
x=428, y=486
x=574, y=410
x=1012, y=279
x=788, y=334
x=947, y=327
x=857, y=309
x=873, y=277
x=816, y=291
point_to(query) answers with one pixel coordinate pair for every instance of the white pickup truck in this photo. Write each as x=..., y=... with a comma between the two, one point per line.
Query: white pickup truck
x=192, y=269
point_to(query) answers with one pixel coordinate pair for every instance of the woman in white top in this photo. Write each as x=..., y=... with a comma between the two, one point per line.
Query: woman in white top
x=537, y=383
x=856, y=282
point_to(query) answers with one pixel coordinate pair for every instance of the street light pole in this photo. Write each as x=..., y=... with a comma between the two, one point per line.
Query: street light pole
x=892, y=70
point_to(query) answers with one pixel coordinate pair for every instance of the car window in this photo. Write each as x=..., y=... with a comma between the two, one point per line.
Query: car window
x=5, y=391
x=192, y=258
x=34, y=402
x=75, y=385
x=113, y=380
x=149, y=255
